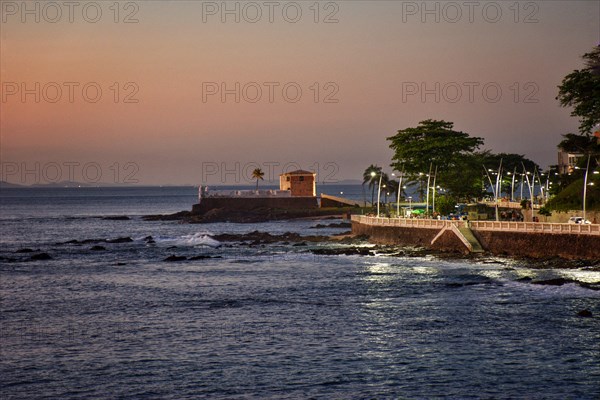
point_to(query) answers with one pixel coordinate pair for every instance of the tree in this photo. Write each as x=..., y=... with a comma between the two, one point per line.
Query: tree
x=512, y=169
x=385, y=186
x=435, y=143
x=581, y=90
x=579, y=144
x=445, y=205
x=258, y=174
x=371, y=176
x=510, y=162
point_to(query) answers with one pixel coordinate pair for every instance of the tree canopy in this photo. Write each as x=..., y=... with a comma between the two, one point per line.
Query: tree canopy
x=510, y=162
x=435, y=142
x=432, y=141
x=581, y=90
x=579, y=144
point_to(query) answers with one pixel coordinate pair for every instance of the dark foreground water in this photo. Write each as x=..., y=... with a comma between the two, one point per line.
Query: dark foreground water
x=273, y=321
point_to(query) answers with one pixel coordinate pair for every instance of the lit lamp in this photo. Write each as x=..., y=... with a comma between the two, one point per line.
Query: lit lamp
x=373, y=174
x=399, y=191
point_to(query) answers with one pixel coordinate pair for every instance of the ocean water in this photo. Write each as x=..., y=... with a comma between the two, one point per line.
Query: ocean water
x=270, y=321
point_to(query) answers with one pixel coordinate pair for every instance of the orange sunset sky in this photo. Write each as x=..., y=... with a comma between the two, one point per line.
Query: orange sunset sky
x=366, y=56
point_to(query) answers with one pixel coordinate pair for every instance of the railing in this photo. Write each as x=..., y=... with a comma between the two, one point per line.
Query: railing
x=405, y=222
x=538, y=227
x=507, y=204
x=245, y=193
x=533, y=227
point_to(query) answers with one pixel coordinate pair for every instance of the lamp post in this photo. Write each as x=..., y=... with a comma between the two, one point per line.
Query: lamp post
x=512, y=185
x=410, y=205
x=373, y=174
x=399, y=191
x=434, y=188
x=428, y=188
x=587, y=169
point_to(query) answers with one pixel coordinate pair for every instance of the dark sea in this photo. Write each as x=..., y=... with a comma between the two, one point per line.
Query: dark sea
x=269, y=321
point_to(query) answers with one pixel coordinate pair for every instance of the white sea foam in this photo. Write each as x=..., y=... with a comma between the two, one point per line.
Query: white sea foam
x=194, y=240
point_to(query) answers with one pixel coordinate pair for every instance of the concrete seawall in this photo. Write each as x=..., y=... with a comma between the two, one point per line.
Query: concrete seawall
x=498, y=242
x=252, y=203
x=405, y=236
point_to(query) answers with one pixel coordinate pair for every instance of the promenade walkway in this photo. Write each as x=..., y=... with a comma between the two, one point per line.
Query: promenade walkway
x=529, y=227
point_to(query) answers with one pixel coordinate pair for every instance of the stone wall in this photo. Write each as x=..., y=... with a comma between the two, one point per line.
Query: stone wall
x=540, y=245
x=404, y=236
x=519, y=244
x=245, y=204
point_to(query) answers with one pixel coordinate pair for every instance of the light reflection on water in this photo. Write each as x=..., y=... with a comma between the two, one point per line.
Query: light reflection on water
x=277, y=321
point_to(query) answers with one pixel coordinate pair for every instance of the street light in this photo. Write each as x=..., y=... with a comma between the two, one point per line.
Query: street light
x=373, y=174
x=399, y=191
x=587, y=169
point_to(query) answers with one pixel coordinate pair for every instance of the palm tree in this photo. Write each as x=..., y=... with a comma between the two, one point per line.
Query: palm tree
x=371, y=176
x=258, y=175
x=392, y=186
x=385, y=186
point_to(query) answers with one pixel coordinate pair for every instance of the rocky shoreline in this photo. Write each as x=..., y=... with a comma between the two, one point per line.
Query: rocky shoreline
x=344, y=244
x=248, y=216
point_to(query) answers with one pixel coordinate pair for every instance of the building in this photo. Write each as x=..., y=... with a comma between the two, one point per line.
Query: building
x=300, y=183
x=567, y=160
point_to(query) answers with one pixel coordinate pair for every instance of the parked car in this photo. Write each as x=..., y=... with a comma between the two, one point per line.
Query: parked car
x=578, y=220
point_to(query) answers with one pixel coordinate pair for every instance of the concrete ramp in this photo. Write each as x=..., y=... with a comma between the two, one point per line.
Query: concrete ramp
x=334, y=201
x=466, y=234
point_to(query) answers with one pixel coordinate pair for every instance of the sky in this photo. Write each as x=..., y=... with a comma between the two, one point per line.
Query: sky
x=192, y=92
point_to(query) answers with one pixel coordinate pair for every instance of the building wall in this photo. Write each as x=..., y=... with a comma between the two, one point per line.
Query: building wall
x=567, y=161
x=299, y=185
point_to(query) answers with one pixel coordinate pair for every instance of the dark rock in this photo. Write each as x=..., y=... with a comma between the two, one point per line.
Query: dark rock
x=120, y=264
x=26, y=250
x=41, y=257
x=524, y=279
x=86, y=241
x=260, y=214
x=259, y=238
x=203, y=257
x=175, y=258
x=117, y=218
x=180, y=216
x=148, y=238
x=98, y=248
x=334, y=225
x=585, y=314
x=346, y=251
x=300, y=244
x=120, y=240
x=150, y=242
x=554, y=282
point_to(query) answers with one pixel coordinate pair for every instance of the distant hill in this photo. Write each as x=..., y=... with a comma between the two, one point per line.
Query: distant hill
x=342, y=182
x=62, y=184
x=8, y=185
